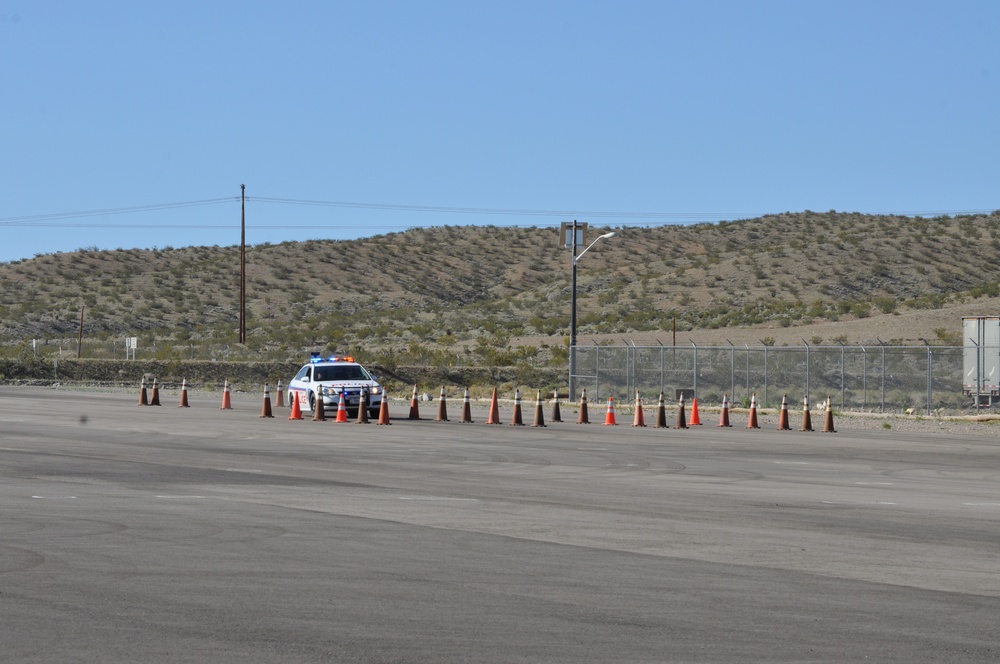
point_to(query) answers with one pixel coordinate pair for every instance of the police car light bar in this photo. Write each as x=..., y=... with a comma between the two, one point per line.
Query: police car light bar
x=316, y=357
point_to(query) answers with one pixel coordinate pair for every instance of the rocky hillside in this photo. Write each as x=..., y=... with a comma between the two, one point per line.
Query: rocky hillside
x=466, y=292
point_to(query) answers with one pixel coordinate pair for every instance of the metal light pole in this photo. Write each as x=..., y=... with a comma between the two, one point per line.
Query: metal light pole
x=572, y=323
x=243, y=264
x=572, y=315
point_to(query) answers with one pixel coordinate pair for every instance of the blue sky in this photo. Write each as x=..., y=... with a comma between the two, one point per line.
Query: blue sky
x=681, y=111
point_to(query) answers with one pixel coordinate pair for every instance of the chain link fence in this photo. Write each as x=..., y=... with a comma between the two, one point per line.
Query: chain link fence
x=882, y=379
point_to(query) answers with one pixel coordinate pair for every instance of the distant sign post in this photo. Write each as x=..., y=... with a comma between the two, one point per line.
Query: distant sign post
x=131, y=343
x=567, y=231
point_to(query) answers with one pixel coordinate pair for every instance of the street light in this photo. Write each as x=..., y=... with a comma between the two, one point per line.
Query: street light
x=572, y=315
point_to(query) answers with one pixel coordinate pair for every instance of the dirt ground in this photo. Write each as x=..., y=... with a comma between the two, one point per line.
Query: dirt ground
x=908, y=328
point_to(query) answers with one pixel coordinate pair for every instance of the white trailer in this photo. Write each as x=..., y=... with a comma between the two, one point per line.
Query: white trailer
x=981, y=358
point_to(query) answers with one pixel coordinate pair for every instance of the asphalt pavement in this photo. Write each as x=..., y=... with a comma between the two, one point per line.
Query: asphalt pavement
x=164, y=534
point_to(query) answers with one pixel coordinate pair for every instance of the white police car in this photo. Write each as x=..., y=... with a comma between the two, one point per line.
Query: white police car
x=330, y=377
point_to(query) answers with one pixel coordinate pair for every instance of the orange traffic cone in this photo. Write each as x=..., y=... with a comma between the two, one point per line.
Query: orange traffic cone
x=296, y=413
x=516, y=420
x=681, y=419
x=584, y=417
x=609, y=419
x=227, y=400
x=661, y=413
x=265, y=411
x=319, y=408
x=155, y=399
x=414, y=409
x=783, y=417
x=806, y=418
x=828, y=424
x=539, y=420
x=724, y=416
x=752, y=421
x=466, y=408
x=639, y=419
x=279, y=402
x=383, y=409
x=143, y=398
x=442, y=415
x=556, y=415
x=362, y=407
x=341, y=409
x=695, y=421
x=184, y=395
x=494, y=416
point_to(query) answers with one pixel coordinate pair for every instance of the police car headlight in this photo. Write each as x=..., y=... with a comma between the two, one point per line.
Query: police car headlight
x=375, y=389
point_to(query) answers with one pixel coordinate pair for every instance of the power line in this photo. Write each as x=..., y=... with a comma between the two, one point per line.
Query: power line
x=29, y=220
x=521, y=212
x=642, y=218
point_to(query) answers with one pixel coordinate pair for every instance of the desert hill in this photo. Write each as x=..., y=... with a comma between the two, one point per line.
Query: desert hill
x=468, y=294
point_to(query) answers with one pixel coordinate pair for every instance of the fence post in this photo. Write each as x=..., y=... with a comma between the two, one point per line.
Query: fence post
x=695, y=369
x=807, y=366
x=748, y=369
x=929, y=377
x=661, y=367
x=864, y=376
x=882, y=343
x=843, y=392
x=765, y=373
x=597, y=370
x=732, y=368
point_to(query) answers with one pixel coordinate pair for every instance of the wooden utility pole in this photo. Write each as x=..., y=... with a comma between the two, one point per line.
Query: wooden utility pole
x=79, y=340
x=243, y=263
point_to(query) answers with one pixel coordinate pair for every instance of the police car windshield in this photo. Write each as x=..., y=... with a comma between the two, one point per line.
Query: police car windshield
x=344, y=372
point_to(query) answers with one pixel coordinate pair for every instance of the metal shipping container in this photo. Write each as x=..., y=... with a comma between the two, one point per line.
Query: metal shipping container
x=981, y=341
